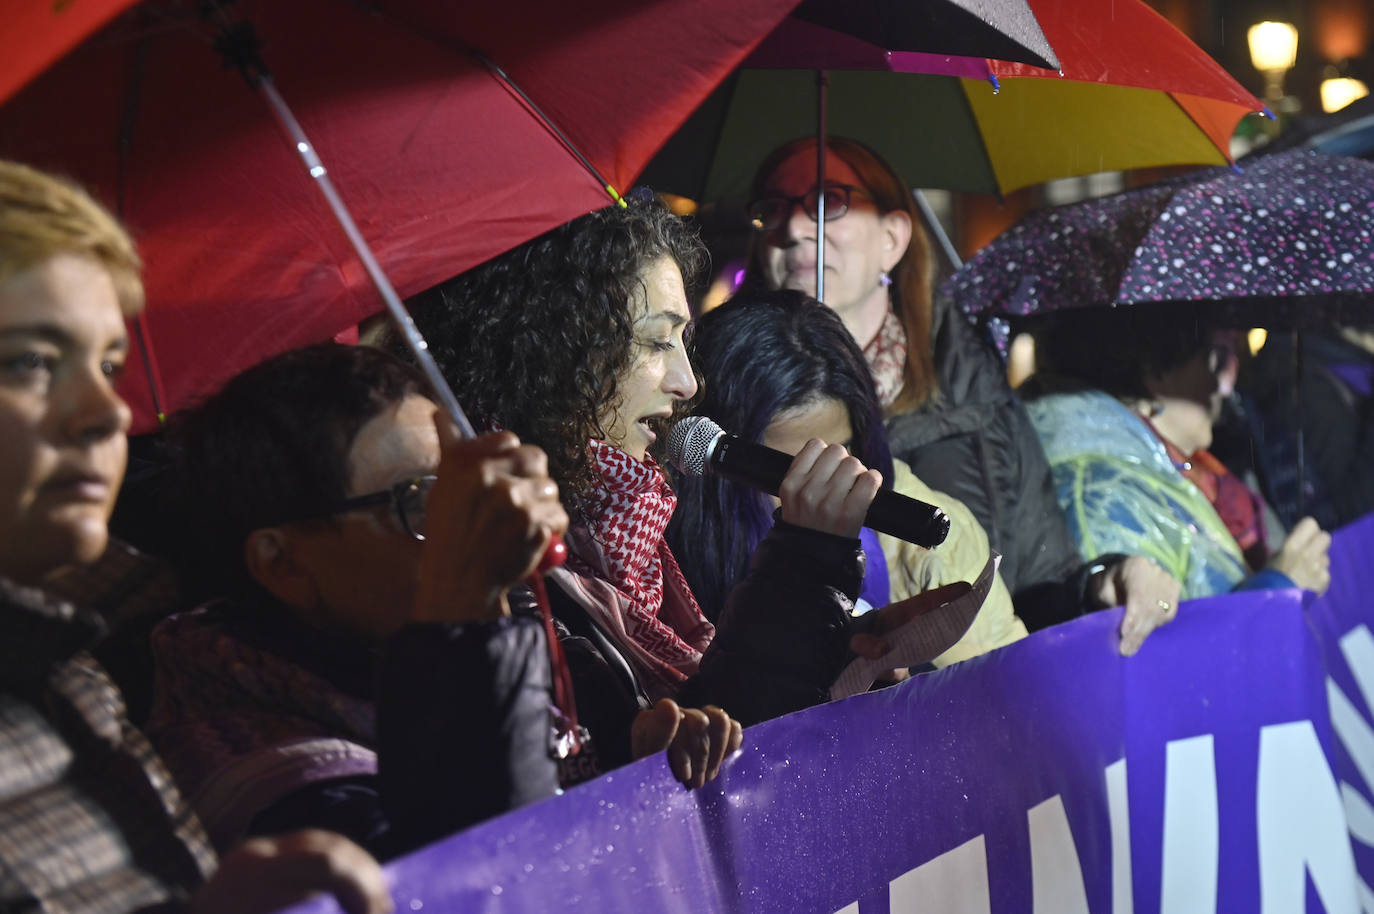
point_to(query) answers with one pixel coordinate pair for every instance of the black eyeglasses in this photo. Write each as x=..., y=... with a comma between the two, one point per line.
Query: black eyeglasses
x=408, y=499
x=769, y=213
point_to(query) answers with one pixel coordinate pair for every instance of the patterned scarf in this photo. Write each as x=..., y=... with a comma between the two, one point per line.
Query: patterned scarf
x=886, y=356
x=622, y=572
x=1238, y=507
x=242, y=724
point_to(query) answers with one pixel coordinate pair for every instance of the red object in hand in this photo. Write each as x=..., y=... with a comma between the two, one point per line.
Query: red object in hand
x=555, y=555
x=568, y=739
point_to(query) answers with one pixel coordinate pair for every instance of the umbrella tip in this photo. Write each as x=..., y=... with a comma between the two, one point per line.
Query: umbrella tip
x=1267, y=113
x=1235, y=166
x=996, y=83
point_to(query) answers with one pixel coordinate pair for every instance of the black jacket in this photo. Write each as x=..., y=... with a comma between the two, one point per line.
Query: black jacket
x=463, y=728
x=781, y=640
x=1338, y=429
x=975, y=442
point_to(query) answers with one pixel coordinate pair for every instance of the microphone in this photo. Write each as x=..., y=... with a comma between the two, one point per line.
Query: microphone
x=697, y=444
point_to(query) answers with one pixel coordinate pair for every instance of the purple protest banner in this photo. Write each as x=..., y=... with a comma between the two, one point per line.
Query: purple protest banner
x=1049, y=776
x=1342, y=619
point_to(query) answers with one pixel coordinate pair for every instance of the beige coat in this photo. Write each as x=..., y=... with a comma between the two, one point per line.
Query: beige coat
x=912, y=569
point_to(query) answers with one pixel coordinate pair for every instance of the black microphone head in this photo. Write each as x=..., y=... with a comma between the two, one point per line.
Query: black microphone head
x=690, y=442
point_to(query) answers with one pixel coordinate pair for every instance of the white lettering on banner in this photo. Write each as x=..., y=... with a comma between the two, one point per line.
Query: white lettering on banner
x=1359, y=815
x=956, y=882
x=1354, y=732
x=1366, y=897
x=1056, y=873
x=1301, y=821
x=1301, y=824
x=1191, y=834
x=1357, y=737
x=1357, y=646
x=1119, y=813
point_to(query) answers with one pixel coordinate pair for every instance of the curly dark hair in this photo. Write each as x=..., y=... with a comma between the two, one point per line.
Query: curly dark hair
x=534, y=340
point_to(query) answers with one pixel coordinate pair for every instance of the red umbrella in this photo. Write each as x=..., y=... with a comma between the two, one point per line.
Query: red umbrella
x=41, y=31
x=441, y=162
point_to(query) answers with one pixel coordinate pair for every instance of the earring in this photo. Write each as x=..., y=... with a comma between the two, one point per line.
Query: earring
x=1150, y=409
x=883, y=279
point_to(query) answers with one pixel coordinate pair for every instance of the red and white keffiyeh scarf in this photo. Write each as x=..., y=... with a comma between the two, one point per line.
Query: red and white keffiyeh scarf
x=622, y=572
x=886, y=357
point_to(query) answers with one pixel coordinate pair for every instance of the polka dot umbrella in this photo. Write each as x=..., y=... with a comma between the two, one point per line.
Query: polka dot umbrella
x=1287, y=242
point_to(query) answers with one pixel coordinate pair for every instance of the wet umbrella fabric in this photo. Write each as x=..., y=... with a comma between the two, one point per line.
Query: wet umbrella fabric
x=1288, y=242
x=1004, y=29
x=1135, y=92
x=441, y=163
x=38, y=32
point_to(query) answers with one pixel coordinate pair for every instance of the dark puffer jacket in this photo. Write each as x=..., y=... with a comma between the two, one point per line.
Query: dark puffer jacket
x=975, y=442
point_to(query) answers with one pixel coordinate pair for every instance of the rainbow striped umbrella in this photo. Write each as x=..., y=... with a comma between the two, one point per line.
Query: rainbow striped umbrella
x=1132, y=92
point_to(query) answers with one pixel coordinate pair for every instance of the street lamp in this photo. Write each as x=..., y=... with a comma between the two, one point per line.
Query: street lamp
x=1273, y=50
x=1339, y=90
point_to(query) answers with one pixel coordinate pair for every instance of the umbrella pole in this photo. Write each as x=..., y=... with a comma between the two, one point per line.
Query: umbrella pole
x=404, y=323
x=550, y=126
x=934, y=227
x=1297, y=419
x=822, y=83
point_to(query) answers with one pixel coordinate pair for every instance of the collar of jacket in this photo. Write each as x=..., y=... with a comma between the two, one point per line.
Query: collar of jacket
x=38, y=631
x=972, y=389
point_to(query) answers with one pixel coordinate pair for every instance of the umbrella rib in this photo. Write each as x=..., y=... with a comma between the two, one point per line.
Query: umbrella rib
x=132, y=94
x=549, y=125
x=1226, y=153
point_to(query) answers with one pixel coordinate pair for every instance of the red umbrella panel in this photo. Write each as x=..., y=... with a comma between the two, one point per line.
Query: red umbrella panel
x=441, y=163
x=38, y=32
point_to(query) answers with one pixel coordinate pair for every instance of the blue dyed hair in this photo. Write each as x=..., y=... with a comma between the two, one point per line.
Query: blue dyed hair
x=761, y=354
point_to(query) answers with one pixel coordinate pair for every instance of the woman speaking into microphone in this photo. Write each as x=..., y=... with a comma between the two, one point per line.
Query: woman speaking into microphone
x=575, y=341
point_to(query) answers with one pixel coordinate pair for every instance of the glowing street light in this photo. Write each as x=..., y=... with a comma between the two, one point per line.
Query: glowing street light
x=1339, y=91
x=1273, y=51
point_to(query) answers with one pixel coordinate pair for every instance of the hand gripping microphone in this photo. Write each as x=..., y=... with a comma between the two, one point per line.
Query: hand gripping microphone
x=696, y=444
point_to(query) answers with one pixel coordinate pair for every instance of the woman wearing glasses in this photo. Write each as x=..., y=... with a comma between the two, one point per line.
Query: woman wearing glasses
x=950, y=414
x=364, y=555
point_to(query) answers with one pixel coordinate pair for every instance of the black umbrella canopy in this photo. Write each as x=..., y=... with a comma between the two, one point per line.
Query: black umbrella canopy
x=1001, y=29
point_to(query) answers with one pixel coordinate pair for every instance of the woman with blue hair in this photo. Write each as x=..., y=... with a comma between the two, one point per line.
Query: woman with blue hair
x=780, y=369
